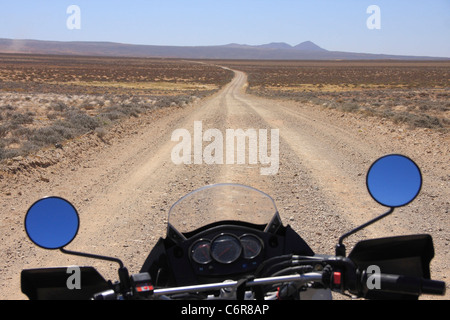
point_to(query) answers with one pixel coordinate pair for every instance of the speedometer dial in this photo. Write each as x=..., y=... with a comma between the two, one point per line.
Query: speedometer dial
x=200, y=252
x=252, y=246
x=226, y=249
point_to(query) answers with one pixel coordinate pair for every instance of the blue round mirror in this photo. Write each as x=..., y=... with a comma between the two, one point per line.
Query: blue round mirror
x=52, y=223
x=394, y=180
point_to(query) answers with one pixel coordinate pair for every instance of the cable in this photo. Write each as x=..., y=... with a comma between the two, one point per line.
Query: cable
x=271, y=260
x=291, y=263
x=296, y=269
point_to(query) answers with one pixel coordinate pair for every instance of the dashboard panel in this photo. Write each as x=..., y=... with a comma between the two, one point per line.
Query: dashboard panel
x=226, y=251
x=219, y=252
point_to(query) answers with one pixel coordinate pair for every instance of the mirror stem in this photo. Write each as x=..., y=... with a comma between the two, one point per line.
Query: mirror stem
x=93, y=256
x=123, y=272
x=340, y=248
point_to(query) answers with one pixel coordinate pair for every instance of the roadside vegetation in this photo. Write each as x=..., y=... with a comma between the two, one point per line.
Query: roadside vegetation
x=413, y=93
x=46, y=100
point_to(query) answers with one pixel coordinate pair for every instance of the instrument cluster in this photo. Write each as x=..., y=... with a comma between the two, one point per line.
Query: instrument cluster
x=226, y=249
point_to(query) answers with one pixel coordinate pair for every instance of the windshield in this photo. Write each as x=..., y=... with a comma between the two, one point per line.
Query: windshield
x=221, y=202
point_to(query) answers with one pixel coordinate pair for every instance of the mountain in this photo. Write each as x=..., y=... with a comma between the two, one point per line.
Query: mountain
x=272, y=51
x=276, y=45
x=304, y=46
x=308, y=46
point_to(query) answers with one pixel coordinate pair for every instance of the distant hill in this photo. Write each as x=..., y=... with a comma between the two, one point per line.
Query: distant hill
x=308, y=46
x=272, y=51
x=276, y=45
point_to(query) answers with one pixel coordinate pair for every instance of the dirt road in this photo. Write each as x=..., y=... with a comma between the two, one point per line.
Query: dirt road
x=124, y=185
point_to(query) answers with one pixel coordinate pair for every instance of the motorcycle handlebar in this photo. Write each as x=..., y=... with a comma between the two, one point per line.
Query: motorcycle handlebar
x=403, y=284
x=308, y=277
x=385, y=283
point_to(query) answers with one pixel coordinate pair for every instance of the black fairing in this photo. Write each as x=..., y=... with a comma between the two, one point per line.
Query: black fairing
x=403, y=255
x=51, y=284
x=169, y=263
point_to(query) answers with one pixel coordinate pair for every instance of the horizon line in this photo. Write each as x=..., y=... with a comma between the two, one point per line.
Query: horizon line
x=292, y=47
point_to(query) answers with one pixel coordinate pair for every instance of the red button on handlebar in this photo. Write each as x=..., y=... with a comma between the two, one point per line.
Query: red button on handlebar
x=337, y=278
x=144, y=288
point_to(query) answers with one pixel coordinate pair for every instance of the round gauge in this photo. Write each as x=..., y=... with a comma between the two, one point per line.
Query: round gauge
x=226, y=248
x=251, y=245
x=200, y=252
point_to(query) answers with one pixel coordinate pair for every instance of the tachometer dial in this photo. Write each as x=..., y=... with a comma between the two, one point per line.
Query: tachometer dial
x=226, y=249
x=200, y=252
x=252, y=246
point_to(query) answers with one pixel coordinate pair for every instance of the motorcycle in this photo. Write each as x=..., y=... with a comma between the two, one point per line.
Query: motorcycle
x=227, y=242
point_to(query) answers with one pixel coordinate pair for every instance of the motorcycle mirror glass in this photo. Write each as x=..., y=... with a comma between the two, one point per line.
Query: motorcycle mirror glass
x=394, y=180
x=52, y=223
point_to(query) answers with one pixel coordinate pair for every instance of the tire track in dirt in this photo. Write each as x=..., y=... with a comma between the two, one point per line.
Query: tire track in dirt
x=300, y=201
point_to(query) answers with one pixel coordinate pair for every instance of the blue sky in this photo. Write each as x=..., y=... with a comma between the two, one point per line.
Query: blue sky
x=413, y=27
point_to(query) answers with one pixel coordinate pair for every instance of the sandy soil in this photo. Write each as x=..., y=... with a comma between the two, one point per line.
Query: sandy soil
x=124, y=184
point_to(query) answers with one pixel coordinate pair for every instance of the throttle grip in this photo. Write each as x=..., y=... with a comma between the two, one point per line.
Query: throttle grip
x=403, y=284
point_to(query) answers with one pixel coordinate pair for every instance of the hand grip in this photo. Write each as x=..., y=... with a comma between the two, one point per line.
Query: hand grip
x=404, y=284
